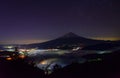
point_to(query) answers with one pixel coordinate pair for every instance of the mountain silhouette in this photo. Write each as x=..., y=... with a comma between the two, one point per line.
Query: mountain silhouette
x=68, y=40
x=108, y=45
x=69, y=35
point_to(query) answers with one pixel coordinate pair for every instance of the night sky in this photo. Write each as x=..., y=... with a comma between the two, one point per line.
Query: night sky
x=31, y=21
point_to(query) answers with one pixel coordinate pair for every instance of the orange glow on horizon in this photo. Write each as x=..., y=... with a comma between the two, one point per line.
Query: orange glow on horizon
x=106, y=38
x=23, y=41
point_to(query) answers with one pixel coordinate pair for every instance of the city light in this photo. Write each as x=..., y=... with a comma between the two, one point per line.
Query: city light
x=9, y=58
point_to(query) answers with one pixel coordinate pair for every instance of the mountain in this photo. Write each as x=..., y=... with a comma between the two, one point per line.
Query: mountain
x=68, y=40
x=108, y=45
x=69, y=35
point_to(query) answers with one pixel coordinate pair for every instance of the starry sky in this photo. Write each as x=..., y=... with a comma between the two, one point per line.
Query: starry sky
x=31, y=21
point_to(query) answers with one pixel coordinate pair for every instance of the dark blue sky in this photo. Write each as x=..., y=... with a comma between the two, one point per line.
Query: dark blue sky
x=28, y=21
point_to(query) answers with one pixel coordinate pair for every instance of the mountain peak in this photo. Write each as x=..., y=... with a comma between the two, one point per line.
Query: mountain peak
x=69, y=35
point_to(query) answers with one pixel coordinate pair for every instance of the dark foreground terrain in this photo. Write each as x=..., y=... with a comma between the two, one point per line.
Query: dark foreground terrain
x=19, y=69
x=109, y=67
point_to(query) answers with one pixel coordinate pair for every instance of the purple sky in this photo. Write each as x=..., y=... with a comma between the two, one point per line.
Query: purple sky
x=28, y=21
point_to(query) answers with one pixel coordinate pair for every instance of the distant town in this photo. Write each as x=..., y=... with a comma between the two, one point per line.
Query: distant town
x=63, y=54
